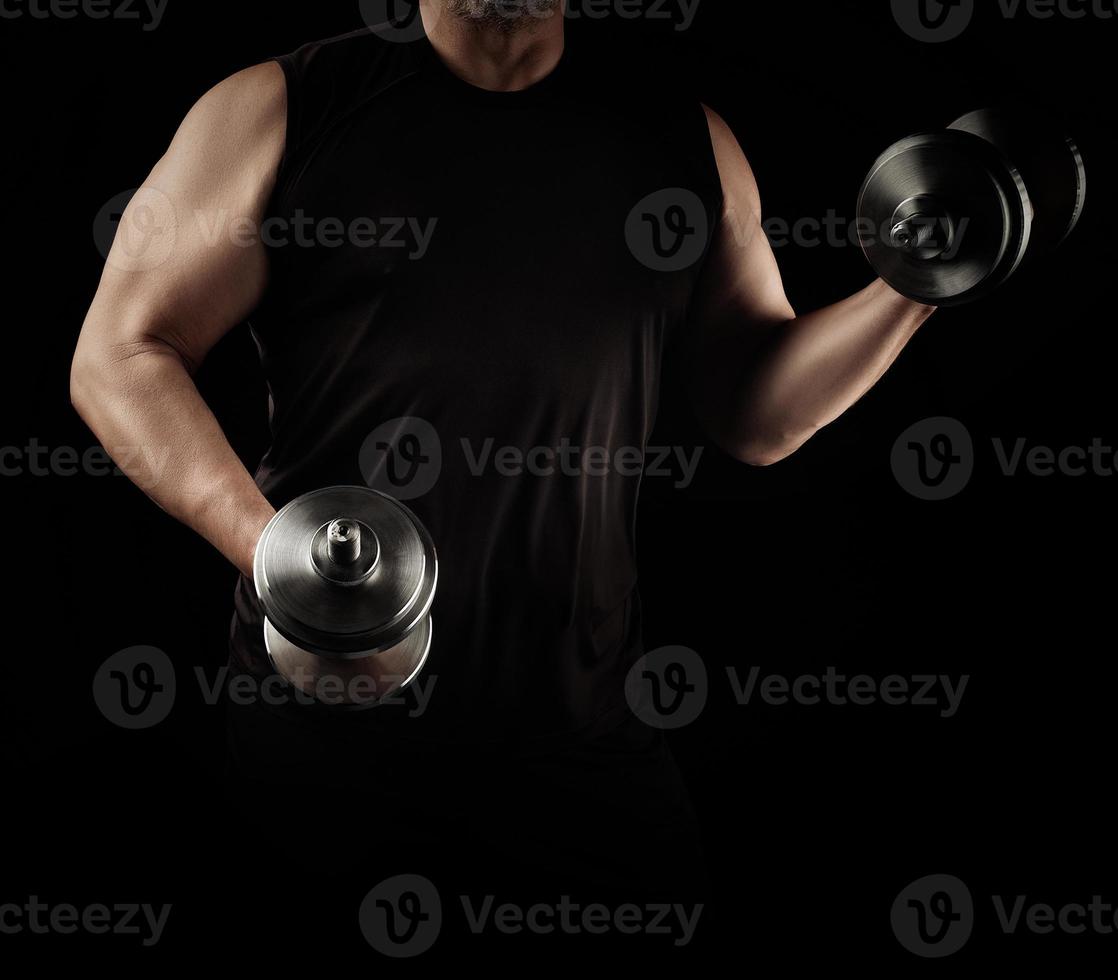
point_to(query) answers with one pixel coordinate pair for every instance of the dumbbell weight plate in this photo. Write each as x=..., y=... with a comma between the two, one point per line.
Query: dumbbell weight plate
x=964, y=184
x=1048, y=161
x=353, y=682
x=346, y=578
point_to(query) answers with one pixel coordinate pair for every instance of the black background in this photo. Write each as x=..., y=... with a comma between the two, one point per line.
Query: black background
x=814, y=817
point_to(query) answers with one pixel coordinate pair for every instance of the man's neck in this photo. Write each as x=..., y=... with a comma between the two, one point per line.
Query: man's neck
x=492, y=57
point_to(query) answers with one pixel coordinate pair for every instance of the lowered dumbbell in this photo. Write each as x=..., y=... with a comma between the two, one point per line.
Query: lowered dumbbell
x=947, y=217
x=346, y=577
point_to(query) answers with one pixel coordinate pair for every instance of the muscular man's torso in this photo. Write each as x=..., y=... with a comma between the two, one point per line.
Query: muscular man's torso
x=512, y=321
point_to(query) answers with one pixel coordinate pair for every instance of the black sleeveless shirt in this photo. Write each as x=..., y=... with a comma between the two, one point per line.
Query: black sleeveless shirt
x=458, y=315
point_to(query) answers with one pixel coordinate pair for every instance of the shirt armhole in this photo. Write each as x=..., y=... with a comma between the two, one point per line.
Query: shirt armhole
x=293, y=137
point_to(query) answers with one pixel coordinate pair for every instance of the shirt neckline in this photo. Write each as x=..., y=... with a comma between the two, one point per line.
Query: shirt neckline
x=497, y=96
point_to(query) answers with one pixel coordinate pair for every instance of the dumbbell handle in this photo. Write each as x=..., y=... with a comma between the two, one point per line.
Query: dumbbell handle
x=922, y=227
x=912, y=233
x=343, y=541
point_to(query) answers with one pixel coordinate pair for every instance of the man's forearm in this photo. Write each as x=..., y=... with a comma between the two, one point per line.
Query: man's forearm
x=145, y=409
x=800, y=375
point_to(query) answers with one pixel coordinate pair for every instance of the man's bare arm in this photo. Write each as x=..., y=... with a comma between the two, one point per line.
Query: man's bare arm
x=179, y=277
x=764, y=380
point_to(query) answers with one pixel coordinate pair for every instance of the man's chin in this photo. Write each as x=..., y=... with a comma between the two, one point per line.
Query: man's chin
x=506, y=15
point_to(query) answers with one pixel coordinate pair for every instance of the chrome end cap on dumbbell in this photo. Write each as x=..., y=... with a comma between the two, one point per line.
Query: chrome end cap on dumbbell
x=346, y=577
x=944, y=217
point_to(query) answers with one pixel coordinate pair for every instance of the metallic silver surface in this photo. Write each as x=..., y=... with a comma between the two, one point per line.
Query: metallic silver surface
x=343, y=542
x=345, y=560
x=353, y=682
x=345, y=610
x=1049, y=162
x=985, y=204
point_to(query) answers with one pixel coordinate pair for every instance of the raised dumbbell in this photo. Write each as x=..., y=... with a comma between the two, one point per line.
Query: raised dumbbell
x=346, y=577
x=947, y=217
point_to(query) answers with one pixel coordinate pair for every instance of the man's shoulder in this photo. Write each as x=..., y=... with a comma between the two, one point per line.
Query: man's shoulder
x=329, y=79
x=359, y=52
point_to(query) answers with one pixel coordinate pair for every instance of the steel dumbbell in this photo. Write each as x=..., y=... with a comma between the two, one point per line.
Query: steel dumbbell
x=346, y=577
x=947, y=217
